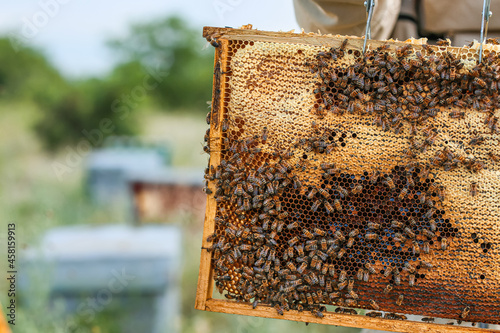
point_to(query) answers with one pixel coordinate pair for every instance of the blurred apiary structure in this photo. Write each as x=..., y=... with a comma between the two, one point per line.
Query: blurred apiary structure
x=129, y=273
x=356, y=181
x=159, y=195
x=108, y=168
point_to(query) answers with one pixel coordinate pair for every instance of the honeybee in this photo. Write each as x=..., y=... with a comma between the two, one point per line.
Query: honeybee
x=374, y=305
x=473, y=189
x=311, y=247
x=351, y=302
x=322, y=255
x=397, y=224
x=430, y=213
x=403, y=51
x=332, y=249
x=479, y=82
x=350, y=242
x=373, y=314
x=374, y=177
x=389, y=182
x=350, y=286
x=403, y=193
x=357, y=189
x=415, y=248
x=328, y=207
x=409, y=267
x=307, y=233
x=319, y=232
x=342, y=284
x=331, y=270
x=341, y=253
x=426, y=247
x=315, y=205
x=425, y=264
x=343, y=45
x=409, y=232
x=387, y=271
x=246, y=205
x=432, y=224
x=411, y=280
x=371, y=236
x=342, y=276
x=318, y=314
x=323, y=244
x=314, y=279
x=311, y=194
x=282, y=215
x=359, y=275
x=465, y=312
x=293, y=241
x=494, y=157
x=245, y=247
x=397, y=278
x=324, y=193
x=225, y=125
x=444, y=243
x=373, y=225
x=342, y=191
x=370, y=268
x=399, y=302
x=264, y=133
x=476, y=140
x=302, y=267
x=354, y=233
x=366, y=276
x=457, y=114
x=332, y=171
x=300, y=250
x=337, y=205
x=388, y=288
x=339, y=235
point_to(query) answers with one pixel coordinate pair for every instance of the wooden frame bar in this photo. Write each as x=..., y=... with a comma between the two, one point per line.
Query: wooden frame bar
x=330, y=318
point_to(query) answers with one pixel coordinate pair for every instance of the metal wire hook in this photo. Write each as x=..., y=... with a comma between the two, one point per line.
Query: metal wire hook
x=370, y=5
x=484, y=26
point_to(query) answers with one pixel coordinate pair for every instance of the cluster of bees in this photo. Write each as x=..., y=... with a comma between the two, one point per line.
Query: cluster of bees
x=265, y=251
x=411, y=86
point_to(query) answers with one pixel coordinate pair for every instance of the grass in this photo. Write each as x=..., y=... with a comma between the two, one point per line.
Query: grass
x=33, y=197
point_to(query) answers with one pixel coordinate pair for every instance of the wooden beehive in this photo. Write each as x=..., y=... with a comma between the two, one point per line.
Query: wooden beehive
x=361, y=182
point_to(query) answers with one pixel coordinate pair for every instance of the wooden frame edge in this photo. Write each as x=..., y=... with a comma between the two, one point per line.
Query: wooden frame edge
x=329, y=40
x=289, y=37
x=330, y=318
x=204, y=288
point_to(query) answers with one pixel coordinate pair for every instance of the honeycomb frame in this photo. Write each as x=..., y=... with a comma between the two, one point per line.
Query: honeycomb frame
x=223, y=93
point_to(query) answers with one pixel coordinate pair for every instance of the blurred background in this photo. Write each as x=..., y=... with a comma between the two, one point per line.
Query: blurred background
x=102, y=118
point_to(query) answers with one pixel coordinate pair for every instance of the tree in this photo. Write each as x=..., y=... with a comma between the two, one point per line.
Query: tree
x=162, y=62
x=26, y=74
x=170, y=46
x=82, y=110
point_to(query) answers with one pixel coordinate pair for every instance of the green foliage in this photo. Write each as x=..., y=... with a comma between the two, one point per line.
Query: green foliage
x=84, y=109
x=87, y=104
x=26, y=74
x=160, y=62
x=169, y=46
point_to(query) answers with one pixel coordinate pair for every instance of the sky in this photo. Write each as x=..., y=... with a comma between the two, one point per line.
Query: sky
x=73, y=33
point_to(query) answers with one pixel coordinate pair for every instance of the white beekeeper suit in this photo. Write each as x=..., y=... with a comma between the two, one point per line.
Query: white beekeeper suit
x=459, y=20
